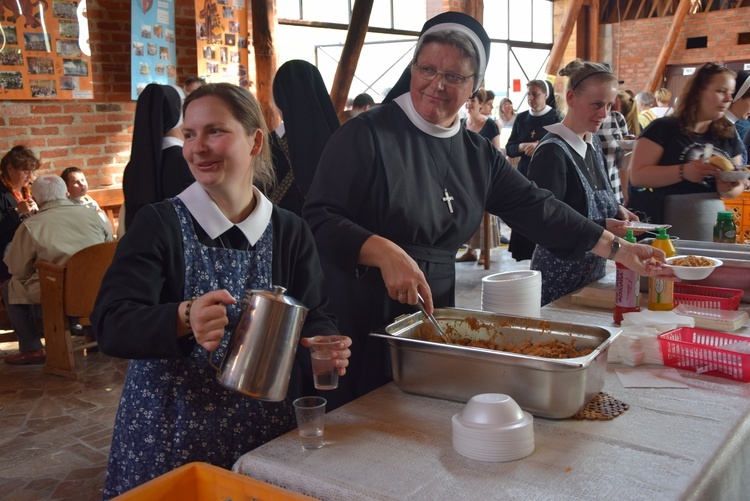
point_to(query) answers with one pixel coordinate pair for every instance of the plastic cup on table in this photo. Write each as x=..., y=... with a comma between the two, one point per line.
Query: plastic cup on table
x=310, y=412
x=325, y=373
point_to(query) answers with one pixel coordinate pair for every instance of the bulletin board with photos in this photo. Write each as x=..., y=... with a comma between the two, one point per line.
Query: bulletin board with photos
x=222, y=41
x=153, y=50
x=44, y=50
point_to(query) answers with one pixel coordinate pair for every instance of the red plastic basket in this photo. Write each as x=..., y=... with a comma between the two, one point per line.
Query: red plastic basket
x=701, y=351
x=707, y=297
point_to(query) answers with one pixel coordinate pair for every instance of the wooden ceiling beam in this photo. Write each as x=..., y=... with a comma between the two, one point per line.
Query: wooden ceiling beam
x=593, y=31
x=641, y=4
x=563, y=36
x=355, y=39
x=264, y=22
x=627, y=9
x=657, y=74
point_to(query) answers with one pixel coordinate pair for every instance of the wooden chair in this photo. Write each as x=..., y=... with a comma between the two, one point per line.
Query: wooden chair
x=70, y=291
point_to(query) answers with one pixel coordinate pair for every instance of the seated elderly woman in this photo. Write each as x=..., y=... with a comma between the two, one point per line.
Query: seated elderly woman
x=16, y=173
x=59, y=230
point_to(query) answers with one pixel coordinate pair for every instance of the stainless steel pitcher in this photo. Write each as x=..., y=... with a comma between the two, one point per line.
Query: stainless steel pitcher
x=259, y=357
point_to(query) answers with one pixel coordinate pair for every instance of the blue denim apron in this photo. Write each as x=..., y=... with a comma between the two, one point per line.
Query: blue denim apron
x=173, y=411
x=561, y=277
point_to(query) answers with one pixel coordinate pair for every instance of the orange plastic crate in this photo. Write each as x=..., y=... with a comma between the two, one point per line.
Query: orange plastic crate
x=701, y=351
x=707, y=297
x=202, y=482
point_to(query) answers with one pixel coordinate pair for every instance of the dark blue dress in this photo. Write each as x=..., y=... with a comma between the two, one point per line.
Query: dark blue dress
x=559, y=276
x=172, y=411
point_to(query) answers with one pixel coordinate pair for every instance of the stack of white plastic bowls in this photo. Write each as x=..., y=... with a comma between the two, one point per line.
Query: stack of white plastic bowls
x=513, y=293
x=492, y=427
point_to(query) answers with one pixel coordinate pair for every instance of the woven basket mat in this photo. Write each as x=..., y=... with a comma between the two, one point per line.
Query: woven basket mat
x=602, y=408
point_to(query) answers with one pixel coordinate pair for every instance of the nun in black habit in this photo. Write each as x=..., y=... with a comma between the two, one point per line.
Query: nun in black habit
x=309, y=120
x=157, y=169
x=401, y=187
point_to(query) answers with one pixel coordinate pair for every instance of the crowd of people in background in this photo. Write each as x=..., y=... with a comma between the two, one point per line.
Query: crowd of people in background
x=358, y=215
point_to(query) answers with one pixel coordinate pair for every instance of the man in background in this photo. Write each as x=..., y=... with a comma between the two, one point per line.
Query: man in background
x=361, y=103
x=60, y=229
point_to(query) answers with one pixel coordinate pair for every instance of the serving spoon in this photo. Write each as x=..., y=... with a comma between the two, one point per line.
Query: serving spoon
x=431, y=318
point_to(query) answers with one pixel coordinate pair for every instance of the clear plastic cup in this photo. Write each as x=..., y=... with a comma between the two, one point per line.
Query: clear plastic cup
x=325, y=373
x=310, y=412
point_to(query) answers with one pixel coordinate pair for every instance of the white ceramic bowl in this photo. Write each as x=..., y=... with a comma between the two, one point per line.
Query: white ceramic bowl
x=693, y=272
x=491, y=409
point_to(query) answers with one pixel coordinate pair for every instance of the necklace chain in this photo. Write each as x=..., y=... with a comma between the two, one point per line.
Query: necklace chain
x=445, y=196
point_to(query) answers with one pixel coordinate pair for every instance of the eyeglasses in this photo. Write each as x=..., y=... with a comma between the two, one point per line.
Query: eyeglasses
x=429, y=73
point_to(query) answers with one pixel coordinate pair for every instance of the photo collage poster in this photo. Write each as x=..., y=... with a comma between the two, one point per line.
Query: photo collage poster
x=153, y=53
x=44, y=50
x=222, y=41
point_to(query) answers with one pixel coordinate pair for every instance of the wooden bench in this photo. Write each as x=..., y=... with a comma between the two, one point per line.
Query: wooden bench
x=70, y=291
x=110, y=200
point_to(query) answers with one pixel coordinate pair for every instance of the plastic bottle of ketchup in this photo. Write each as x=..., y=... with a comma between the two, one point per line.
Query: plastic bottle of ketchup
x=660, y=291
x=627, y=288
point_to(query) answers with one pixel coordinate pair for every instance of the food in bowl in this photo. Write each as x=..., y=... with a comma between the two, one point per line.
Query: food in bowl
x=690, y=261
x=693, y=267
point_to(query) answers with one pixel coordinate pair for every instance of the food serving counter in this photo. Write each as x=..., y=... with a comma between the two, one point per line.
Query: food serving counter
x=672, y=443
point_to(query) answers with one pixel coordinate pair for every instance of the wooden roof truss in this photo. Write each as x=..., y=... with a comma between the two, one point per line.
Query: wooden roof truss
x=613, y=11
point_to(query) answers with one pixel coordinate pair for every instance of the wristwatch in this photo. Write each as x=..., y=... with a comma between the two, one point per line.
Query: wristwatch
x=614, y=248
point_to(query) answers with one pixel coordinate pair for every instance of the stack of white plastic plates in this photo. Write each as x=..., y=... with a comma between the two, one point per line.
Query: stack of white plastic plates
x=495, y=429
x=513, y=293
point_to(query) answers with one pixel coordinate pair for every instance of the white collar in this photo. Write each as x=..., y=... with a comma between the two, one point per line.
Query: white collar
x=169, y=141
x=574, y=140
x=214, y=222
x=405, y=103
x=280, y=130
x=544, y=111
x=731, y=116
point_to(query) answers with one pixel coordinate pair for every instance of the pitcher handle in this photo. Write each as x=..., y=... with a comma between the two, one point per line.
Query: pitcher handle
x=211, y=362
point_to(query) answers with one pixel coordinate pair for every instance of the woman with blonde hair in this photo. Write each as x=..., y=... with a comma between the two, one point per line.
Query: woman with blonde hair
x=568, y=162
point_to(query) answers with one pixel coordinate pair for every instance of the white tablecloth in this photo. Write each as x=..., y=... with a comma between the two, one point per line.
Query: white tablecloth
x=388, y=445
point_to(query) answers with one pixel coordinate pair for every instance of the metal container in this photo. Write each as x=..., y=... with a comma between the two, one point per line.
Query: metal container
x=259, y=357
x=552, y=388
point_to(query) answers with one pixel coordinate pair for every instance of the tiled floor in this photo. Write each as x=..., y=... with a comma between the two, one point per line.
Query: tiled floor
x=55, y=432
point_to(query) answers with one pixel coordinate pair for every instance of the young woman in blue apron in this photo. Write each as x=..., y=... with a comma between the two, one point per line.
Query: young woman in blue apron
x=169, y=299
x=569, y=163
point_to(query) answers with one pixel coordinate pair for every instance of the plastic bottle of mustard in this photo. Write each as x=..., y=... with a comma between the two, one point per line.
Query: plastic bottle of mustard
x=660, y=291
x=627, y=288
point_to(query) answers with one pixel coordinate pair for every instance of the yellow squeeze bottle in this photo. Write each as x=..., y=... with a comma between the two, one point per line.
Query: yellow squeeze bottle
x=660, y=291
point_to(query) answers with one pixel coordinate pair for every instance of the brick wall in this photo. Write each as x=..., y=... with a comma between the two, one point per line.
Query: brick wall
x=635, y=45
x=94, y=135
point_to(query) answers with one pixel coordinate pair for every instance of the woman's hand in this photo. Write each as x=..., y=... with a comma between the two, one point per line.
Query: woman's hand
x=645, y=260
x=340, y=355
x=729, y=189
x=528, y=148
x=27, y=206
x=697, y=170
x=208, y=317
x=618, y=227
x=625, y=215
x=402, y=277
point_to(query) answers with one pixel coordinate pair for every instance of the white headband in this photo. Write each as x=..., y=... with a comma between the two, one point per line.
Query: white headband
x=743, y=89
x=474, y=40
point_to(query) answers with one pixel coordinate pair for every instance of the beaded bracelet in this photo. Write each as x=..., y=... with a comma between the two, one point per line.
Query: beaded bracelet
x=682, y=172
x=187, y=312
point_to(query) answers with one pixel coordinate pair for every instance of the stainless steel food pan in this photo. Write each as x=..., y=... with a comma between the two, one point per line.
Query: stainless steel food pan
x=553, y=388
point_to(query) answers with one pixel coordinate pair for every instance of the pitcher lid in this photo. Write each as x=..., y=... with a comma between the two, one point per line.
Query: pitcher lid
x=276, y=294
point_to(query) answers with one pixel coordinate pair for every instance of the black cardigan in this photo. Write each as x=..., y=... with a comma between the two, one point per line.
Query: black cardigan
x=135, y=315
